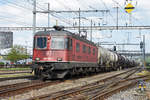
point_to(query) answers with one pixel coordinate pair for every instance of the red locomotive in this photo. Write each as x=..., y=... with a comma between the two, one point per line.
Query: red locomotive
x=58, y=53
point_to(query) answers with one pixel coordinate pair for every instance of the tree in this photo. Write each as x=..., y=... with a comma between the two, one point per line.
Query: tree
x=16, y=53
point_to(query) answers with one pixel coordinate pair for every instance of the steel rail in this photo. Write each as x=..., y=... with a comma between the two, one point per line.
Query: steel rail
x=5, y=87
x=114, y=90
x=26, y=88
x=78, y=90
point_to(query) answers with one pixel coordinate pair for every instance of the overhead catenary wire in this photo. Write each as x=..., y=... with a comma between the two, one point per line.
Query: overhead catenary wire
x=4, y=19
x=108, y=9
x=58, y=17
x=17, y=5
x=69, y=9
x=14, y=5
x=66, y=7
x=88, y=6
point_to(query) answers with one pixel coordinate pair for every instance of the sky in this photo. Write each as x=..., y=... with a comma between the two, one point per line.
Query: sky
x=19, y=13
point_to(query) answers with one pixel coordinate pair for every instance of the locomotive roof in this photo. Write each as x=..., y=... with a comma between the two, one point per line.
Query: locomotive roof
x=53, y=33
x=62, y=33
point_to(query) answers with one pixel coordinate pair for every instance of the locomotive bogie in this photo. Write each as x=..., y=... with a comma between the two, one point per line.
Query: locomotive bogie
x=60, y=70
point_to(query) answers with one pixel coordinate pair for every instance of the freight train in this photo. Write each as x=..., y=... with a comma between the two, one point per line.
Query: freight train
x=59, y=53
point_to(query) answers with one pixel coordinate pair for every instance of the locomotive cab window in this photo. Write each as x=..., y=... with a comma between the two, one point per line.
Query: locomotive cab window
x=61, y=43
x=58, y=43
x=41, y=42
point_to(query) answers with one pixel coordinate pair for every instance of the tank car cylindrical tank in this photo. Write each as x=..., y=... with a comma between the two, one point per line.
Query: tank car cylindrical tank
x=106, y=57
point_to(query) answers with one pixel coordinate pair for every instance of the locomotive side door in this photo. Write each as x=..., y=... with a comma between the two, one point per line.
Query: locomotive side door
x=70, y=49
x=73, y=49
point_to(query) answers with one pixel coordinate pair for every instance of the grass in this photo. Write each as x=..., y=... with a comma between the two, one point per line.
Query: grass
x=16, y=75
x=17, y=69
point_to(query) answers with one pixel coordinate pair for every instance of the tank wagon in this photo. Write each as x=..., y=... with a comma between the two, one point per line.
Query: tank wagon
x=58, y=53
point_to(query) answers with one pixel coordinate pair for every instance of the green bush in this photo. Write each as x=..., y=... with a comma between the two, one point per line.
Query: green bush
x=2, y=63
x=148, y=60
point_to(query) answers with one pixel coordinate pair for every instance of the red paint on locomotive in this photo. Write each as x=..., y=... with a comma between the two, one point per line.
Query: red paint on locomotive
x=79, y=51
x=58, y=53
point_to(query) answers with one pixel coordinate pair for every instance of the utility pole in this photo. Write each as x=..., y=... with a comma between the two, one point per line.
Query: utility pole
x=48, y=15
x=91, y=30
x=142, y=46
x=144, y=49
x=130, y=19
x=117, y=16
x=26, y=50
x=34, y=17
x=79, y=21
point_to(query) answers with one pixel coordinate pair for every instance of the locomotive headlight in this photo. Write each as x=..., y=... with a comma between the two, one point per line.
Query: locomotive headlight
x=59, y=59
x=37, y=59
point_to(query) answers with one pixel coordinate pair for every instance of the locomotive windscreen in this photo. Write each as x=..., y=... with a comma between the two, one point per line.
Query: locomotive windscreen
x=58, y=43
x=41, y=42
x=61, y=43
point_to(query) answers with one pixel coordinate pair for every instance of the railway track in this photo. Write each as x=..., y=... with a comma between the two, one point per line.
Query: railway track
x=18, y=88
x=113, y=88
x=91, y=90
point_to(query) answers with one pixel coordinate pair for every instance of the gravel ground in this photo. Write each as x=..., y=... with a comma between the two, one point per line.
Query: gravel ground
x=62, y=86
x=125, y=95
x=132, y=94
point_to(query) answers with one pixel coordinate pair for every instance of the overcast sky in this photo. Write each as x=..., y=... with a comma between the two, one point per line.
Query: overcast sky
x=19, y=13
